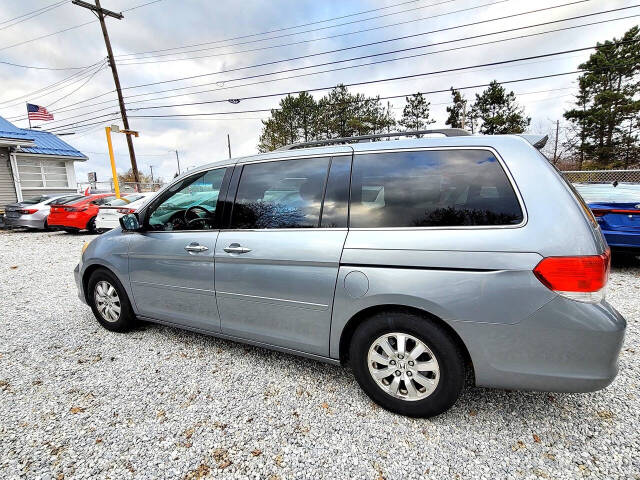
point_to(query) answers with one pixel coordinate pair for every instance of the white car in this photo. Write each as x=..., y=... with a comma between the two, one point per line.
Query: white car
x=109, y=214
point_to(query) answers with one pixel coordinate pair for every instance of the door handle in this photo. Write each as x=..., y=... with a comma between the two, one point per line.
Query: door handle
x=195, y=248
x=236, y=248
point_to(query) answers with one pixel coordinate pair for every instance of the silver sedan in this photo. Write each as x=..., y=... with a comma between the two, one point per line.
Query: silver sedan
x=33, y=212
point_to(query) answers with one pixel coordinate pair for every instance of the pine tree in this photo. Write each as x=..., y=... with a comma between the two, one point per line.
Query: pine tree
x=607, y=106
x=415, y=115
x=457, y=110
x=498, y=111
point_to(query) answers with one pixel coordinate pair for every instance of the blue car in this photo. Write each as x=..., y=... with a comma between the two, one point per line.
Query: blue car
x=617, y=210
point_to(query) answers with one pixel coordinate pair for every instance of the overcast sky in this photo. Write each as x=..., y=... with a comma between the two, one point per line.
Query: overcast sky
x=168, y=24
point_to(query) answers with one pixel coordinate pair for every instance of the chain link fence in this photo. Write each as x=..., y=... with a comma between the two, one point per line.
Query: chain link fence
x=125, y=187
x=602, y=176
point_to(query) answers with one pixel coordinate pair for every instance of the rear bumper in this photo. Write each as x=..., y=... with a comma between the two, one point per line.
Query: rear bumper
x=565, y=346
x=77, y=220
x=24, y=221
x=620, y=239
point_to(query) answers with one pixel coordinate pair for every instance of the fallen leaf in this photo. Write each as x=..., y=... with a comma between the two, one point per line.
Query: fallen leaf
x=224, y=464
x=75, y=410
x=278, y=460
x=13, y=267
x=200, y=472
x=4, y=385
x=536, y=438
x=605, y=414
x=518, y=446
x=325, y=405
x=257, y=452
x=473, y=413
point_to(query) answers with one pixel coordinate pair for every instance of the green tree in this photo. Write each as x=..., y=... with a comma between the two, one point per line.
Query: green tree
x=607, y=104
x=498, y=111
x=294, y=121
x=457, y=110
x=415, y=115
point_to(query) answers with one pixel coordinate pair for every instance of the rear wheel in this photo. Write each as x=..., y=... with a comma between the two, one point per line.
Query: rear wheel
x=109, y=301
x=91, y=225
x=407, y=363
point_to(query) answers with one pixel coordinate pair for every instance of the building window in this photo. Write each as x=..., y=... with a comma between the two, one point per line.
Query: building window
x=42, y=173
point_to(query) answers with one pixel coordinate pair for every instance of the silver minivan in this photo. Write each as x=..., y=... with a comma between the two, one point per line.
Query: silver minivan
x=419, y=262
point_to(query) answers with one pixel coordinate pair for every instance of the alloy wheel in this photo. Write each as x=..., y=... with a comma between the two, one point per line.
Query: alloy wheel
x=107, y=301
x=403, y=366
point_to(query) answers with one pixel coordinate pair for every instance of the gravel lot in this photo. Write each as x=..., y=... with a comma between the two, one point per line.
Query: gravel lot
x=78, y=401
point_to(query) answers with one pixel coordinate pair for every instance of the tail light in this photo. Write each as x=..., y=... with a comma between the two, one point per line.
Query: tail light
x=28, y=211
x=126, y=211
x=76, y=209
x=601, y=212
x=581, y=278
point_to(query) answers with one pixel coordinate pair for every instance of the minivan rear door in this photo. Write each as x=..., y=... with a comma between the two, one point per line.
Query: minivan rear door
x=277, y=264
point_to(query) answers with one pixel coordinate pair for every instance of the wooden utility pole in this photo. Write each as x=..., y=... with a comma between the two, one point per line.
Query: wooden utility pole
x=555, y=147
x=101, y=13
x=229, y=144
x=178, y=160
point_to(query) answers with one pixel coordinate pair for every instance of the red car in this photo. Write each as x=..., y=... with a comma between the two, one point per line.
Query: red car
x=79, y=215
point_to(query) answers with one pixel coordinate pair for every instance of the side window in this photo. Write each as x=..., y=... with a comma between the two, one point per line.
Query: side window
x=191, y=204
x=280, y=194
x=335, y=210
x=441, y=188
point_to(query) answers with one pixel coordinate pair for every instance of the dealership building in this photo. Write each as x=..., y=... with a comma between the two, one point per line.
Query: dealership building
x=34, y=162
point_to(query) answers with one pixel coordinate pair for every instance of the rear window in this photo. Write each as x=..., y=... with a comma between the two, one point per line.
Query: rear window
x=34, y=200
x=434, y=188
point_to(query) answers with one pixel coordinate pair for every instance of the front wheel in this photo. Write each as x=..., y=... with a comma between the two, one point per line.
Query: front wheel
x=109, y=301
x=408, y=364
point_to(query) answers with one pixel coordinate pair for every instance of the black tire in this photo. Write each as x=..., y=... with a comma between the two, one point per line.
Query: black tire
x=91, y=225
x=45, y=227
x=70, y=230
x=443, y=346
x=126, y=318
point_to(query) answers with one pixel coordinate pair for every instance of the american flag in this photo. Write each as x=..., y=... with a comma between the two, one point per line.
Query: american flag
x=36, y=112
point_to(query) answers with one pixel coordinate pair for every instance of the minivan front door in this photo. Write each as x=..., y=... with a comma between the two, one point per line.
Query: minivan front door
x=171, y=262
x=276, y=268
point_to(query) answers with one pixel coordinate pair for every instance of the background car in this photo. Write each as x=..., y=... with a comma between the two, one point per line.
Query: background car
x=33, y=212
x=109, y=214
x=80, y=214
x=617, y=210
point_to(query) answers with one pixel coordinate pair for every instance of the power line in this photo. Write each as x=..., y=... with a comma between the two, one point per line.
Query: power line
x=275, y=30
x=6, y=47
x=383, y=61
x=98, y=70
x=430, y=17
x=404, y=37
x=35, y=67
x=150, y=93
x=368, y=82
x=55, y=84
x=390, y=97
x=31, y=14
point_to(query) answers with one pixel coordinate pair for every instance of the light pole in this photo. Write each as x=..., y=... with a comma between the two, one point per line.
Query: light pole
x=116, y=129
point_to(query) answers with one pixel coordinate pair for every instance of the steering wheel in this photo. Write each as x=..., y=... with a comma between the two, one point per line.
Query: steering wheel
x=197, y=218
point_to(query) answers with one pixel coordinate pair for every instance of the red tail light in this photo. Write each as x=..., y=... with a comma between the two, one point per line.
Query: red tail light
x=581, y=278
x=601, y=212
x=126, y=211
x=76, y=209
x=28, y=211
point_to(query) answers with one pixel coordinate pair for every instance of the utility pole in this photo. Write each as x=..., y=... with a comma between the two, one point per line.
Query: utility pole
x=101, y=13
x=464, y=113
x=151, y=167
x=178, y=160
x=555, y=147
x=229, y=144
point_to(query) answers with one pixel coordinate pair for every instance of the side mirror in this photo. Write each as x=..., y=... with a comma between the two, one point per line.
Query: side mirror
x=130, y=222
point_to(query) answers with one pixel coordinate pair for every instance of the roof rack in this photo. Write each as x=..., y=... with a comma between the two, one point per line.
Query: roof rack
x=447, y=132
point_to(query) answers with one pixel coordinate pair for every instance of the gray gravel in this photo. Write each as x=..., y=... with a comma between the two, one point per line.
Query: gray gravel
x=77, y=401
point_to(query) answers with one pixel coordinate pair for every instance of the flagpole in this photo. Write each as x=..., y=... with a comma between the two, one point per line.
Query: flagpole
x=28, y=116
